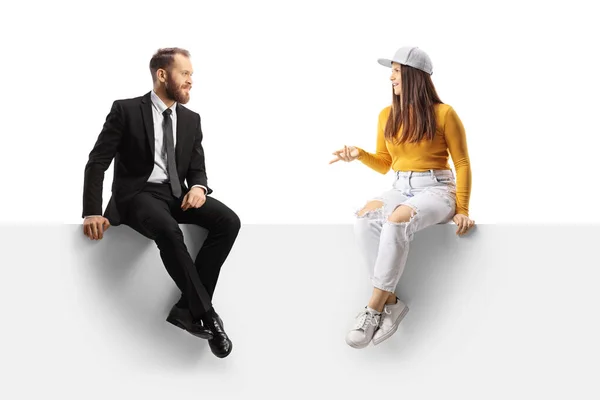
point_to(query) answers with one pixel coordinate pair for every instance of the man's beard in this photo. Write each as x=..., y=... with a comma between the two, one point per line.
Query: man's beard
x=176, y=93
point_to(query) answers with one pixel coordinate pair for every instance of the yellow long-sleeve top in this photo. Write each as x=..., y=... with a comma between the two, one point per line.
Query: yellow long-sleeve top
x=449, y=140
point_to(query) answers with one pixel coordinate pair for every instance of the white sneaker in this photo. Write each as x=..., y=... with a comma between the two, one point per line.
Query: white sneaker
x=362, y=333
x=391, y=317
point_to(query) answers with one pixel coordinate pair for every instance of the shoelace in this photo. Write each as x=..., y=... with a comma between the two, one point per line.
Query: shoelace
x=387, y=311
x=366, y=318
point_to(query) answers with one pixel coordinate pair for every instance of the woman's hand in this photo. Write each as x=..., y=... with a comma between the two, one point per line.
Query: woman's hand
x=348, y=153
x=463, y=222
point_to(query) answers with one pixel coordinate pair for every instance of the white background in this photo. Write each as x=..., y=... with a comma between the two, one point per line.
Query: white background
x=280, y=85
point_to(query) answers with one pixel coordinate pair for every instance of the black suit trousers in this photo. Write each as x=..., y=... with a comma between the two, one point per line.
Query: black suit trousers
x=156, y=214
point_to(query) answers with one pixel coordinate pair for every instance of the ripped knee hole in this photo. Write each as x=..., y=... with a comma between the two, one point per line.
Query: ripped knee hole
x=372, y=208
x=402, y=214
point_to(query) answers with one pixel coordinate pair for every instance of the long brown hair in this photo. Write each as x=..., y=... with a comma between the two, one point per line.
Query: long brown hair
x=413, y=110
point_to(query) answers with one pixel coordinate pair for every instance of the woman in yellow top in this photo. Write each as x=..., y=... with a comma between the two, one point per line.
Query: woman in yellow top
x=415, y=137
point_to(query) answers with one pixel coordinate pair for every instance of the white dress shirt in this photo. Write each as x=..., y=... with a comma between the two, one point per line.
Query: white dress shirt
x=159, y=172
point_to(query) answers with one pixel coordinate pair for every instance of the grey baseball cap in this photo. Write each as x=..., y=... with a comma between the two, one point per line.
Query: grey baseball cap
x=411, y=56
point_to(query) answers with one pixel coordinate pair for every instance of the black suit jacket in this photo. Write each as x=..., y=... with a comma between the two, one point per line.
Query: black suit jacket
x=128, y=138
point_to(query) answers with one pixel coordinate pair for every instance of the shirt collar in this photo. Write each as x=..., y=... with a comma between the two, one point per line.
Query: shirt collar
x=159, y=104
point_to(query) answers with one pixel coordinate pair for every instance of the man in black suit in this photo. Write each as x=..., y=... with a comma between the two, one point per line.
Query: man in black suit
x=156, y=143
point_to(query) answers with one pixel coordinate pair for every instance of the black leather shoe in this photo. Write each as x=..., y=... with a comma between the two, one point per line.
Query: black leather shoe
x=220, y=344
x=182, y=318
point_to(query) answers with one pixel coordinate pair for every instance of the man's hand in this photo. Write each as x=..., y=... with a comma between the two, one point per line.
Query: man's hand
x=463, y=222
x=195, y=198
x=94, y=227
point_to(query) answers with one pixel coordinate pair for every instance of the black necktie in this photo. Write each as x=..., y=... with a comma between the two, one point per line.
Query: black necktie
x=171, y=167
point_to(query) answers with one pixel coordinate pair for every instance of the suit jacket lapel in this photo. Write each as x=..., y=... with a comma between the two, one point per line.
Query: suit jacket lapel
x=182, y=126
x=148, y=121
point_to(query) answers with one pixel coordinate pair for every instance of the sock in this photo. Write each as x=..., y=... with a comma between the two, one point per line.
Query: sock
x=372, y=311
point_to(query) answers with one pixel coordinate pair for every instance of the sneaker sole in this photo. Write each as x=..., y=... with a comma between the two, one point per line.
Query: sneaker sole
x=387, y=335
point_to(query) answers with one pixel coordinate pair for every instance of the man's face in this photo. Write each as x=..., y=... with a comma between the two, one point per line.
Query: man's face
x=179, y=79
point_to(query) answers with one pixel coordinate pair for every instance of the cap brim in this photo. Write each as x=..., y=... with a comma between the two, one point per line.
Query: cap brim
x=388, y=63
x=385, y=62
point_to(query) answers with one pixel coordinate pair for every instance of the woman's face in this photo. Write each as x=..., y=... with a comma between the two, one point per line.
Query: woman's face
x=396, y=79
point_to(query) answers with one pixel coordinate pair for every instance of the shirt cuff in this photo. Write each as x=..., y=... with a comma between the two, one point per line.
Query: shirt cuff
x=203, y=187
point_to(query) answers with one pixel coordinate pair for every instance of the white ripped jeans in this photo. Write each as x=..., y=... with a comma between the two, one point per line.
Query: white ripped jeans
x=383, y=243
